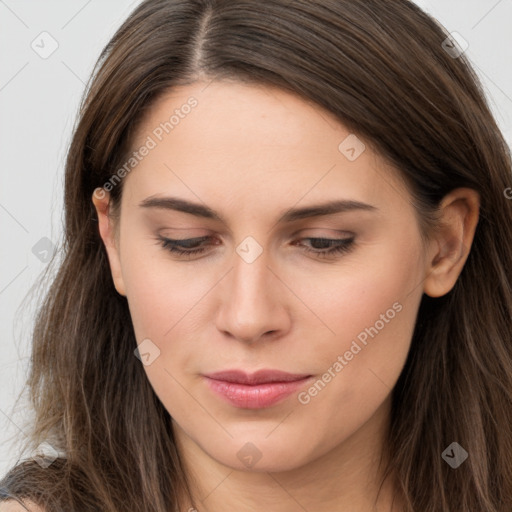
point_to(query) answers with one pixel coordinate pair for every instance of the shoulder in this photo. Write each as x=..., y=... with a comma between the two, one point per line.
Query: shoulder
x=17, y=506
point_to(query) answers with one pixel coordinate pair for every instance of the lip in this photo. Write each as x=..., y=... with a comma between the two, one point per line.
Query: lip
x=259, y=377
x=258, y=390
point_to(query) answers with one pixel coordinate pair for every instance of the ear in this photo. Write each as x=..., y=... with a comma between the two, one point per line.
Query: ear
x=101, y=200
x=450, y=247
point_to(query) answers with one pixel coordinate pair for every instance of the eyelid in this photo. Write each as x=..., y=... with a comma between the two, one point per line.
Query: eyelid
x=324, y=233
x=336, y=247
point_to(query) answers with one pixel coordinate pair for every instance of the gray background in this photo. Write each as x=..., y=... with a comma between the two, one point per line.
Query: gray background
x=39, y=98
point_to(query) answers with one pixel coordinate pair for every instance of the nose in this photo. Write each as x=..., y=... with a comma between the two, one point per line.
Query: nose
x=253, y=302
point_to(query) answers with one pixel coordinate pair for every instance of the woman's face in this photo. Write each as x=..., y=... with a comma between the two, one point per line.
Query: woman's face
x=255, y=168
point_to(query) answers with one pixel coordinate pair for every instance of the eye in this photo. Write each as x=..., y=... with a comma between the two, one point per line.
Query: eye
x=185, y=247
x=329, y=247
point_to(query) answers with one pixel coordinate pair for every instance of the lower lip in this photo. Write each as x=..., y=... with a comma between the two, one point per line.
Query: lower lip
x=257, y=396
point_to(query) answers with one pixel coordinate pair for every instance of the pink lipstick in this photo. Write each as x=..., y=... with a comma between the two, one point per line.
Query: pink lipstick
x=257, y=390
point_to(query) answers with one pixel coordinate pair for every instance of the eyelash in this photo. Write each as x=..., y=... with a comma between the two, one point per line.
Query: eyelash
x=338, y=246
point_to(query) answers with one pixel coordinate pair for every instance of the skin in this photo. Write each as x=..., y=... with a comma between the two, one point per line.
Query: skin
x=250, y=153
x=16, y=506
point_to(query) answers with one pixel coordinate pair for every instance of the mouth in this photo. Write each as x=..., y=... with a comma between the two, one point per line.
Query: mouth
x=258, y=390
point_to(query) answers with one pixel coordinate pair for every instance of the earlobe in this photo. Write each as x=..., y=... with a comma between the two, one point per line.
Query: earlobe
x=450, y=248
x=101, y=201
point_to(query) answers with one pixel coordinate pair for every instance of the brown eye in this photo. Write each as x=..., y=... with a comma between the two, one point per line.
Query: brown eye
x=332, y=247
x=184, y=247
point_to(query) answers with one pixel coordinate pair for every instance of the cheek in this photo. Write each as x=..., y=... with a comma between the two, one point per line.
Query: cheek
x=163, y=303
x=376, y=298
x=372, y=308
x=160, y=297
x=160, y=290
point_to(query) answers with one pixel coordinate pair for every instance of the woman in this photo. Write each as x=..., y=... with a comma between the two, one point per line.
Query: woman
x=286, y=280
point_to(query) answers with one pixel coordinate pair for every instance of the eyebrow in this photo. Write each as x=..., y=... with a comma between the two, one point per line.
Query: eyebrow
x=290, y=215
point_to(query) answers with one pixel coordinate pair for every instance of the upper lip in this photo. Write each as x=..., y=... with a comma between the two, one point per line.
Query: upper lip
x=259, y=377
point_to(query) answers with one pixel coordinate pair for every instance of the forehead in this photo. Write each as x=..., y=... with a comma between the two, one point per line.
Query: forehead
x=237, y=143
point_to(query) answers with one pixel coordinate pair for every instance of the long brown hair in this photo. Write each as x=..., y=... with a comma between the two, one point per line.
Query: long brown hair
x=381, y=67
